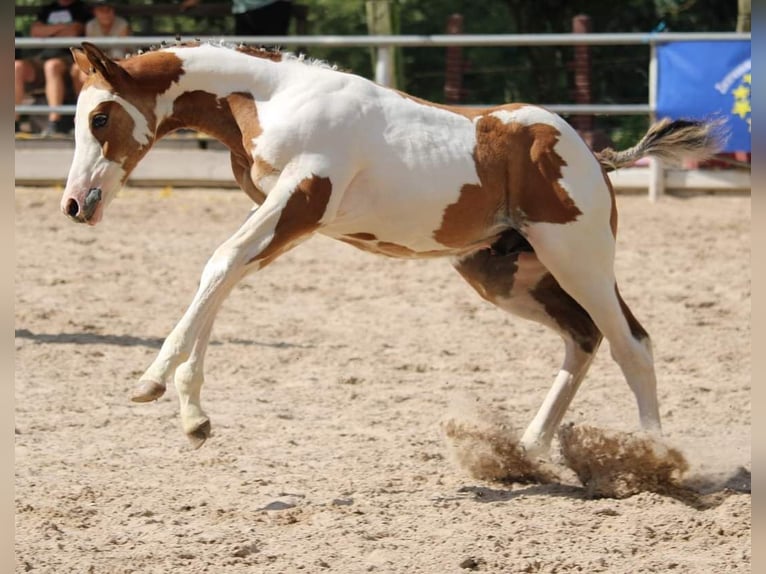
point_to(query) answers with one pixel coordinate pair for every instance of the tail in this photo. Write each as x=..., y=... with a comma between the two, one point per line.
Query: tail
x=671, y=141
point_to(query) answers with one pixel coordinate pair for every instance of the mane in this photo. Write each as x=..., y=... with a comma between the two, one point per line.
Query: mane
x=274, y=54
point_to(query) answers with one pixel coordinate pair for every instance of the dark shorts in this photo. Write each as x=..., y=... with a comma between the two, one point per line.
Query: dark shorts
x=50, y=53
x=271, y=20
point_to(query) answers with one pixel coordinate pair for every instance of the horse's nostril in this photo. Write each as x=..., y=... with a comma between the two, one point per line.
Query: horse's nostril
x=72, y=208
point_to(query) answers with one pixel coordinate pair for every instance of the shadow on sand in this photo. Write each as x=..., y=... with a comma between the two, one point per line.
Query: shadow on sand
x=700, y=493
x=131, y=341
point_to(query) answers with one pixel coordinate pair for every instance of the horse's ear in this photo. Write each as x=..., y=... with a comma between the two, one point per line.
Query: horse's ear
x=91, y=59
x=82, y=61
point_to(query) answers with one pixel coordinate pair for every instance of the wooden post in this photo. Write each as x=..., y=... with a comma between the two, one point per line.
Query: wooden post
x=656, y=169
x=453, y=77
x=300, y=15
x=379, y=23
x=743, y=15
x=581, y=66
x=581, y=24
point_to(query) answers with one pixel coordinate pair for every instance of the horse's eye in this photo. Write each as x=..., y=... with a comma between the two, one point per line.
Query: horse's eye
x=99, y=120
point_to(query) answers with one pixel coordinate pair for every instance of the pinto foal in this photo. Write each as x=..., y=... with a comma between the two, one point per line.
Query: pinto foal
x=511, y=194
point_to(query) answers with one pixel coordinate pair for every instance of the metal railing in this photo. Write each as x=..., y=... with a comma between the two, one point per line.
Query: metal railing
x=384, y=73
x=384, y=46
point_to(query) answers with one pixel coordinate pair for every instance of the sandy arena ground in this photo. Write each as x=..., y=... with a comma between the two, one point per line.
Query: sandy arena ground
x=328, y=379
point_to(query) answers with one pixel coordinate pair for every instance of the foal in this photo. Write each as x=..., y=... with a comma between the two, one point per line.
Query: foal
x=511, y=194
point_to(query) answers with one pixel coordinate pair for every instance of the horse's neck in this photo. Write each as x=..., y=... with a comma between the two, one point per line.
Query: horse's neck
x=209, y=77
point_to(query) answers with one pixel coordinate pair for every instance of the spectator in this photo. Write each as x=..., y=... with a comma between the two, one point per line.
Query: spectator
x=105, y=24
x=26, y=73
x=256, y=17
x=61, y=18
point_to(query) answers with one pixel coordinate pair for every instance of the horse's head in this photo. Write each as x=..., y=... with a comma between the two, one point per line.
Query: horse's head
x=115, y=125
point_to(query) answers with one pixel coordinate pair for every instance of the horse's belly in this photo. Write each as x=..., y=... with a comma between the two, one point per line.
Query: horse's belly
x=400, y=215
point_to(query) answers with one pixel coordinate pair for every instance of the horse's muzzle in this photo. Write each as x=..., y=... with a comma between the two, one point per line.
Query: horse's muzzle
x=83, y=213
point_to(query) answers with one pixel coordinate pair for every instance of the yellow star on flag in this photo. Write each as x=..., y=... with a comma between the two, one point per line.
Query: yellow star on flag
x=741, y=108
x=742, y=92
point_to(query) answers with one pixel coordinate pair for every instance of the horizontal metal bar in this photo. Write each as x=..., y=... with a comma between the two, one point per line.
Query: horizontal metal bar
x=564, y=109
x=600, y=109
x=43, y=109
x=38, y=163
x=413, y=41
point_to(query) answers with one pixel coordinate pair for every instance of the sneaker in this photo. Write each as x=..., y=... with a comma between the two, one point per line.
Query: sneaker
x=54, y=128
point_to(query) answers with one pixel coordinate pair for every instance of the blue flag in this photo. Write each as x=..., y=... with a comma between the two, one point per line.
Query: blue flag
x=702, y=80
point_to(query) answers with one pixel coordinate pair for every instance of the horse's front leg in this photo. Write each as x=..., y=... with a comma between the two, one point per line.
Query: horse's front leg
x=291, y=212
x=221, y=273
x=188, y=380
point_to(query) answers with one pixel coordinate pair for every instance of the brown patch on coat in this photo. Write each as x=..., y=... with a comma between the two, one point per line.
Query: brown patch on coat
x=232, y=120
x=395, y=250
x=369, y=243
x=157, y=71
x=512, y=264
x=636, y=329
x=519, y=172
x=241, y=168
x=259, y=52
x=300, y=216
x=469, y=112
x=156, y=76
x=492, y=271
x=145, y=78
x=204, y=111
x=359, y=244
x=567, y=313
x=245, y=116
x=116, y=139
x=402, y=252
x=261, y=168
x=492, y=276
x=363, y=236
x=613, y=197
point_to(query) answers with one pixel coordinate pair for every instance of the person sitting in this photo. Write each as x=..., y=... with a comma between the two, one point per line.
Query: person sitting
x=107, y=24
x=256, y=17
x=26, y=74
x=61, y=18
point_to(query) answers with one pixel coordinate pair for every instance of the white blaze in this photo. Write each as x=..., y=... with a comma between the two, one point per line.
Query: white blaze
x=89, y=166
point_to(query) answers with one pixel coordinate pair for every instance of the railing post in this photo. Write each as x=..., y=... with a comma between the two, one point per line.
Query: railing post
x=453, y=78
x=581, y=24
x=384, y=66
x=379, y=22
x=656, y=169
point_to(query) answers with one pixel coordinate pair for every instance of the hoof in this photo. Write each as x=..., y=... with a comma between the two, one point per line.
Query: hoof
x=199, y=435
x=148, y=391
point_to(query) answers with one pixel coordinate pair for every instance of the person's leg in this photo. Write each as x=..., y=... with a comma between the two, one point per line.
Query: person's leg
x=19, y=81
x=24, y=74
x=56, y=71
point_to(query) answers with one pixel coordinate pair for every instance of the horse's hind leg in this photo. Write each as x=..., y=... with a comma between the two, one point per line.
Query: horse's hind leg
x=580, y=256
x=518, y=283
